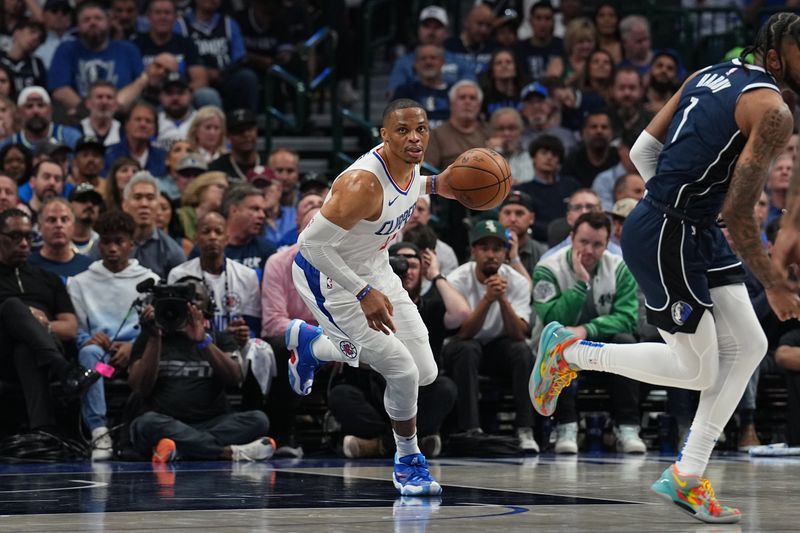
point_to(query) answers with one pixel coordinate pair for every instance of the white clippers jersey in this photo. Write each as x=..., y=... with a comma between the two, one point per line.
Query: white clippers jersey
x=365, y=248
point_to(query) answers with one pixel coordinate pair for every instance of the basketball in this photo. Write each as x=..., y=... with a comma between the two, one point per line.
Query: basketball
x=480, y=179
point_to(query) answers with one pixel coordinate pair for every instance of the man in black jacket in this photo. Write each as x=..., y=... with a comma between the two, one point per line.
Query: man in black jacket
x=35, y=313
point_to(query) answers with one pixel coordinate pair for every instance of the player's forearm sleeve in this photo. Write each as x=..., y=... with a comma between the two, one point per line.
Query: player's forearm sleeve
x=644, y=154
x=318, y=244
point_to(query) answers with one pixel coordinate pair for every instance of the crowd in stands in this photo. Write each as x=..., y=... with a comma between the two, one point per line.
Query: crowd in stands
x=129, y=157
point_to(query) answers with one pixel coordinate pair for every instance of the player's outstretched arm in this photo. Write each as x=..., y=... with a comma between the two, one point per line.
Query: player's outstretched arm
x=767, y=122
x=439, y=184
x=355, y=196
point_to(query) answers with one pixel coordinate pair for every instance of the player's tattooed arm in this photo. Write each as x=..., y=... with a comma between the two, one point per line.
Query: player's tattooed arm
x=767, y=138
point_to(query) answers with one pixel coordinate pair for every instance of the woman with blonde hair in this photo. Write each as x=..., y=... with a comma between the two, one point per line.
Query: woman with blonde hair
x=207, y=132
x=202, y=195
x=580, y=40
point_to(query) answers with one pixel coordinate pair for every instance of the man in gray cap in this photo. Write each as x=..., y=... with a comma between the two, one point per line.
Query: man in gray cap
x=432, y=29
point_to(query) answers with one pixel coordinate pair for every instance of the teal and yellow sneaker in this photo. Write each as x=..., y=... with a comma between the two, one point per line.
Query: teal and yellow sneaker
x=551, y=372
x=694, y=495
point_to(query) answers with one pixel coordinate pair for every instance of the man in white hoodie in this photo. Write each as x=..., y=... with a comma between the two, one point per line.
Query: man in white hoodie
x=107, y=324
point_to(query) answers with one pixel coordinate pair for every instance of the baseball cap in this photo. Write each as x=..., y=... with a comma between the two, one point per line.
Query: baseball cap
x=91, y=143
x=49, y=147
x=239, y=119
x=534, y=88
x=260, y=176
x=175, y=78
x=55, y=5
x=85, y=192
x=313, y=180
x=508, y=16
x=33, y=90
x=518, y=198
x=488, y=228
x=436, y=13
x=191, y=161
x=622, y=208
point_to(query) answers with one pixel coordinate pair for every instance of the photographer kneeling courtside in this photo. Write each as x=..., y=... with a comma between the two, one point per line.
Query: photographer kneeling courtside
x=180, y=371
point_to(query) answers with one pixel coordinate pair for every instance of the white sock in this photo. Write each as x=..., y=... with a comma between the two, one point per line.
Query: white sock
x=324, y=350
x=679, y=363
x=406, y=445
x=699, y=444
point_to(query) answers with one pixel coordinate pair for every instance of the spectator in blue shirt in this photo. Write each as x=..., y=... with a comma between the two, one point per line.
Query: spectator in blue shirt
x=140, y=129
x=36, y=112
x=94, y=56
x=56, y=223
x=429, y=89
x=432, y=29
x=221, y=45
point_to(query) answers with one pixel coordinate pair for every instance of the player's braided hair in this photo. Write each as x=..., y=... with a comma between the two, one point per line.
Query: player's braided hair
x=778, y=27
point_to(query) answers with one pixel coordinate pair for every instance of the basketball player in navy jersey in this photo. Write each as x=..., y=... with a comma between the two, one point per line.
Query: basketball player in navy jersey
x=342, y=272
x=706, y=153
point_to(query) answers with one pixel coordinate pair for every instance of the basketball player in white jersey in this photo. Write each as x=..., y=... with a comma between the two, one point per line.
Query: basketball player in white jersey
x=342, y=273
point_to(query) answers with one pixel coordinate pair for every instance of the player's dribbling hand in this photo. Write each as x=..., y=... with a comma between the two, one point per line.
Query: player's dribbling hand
x=784, y=301
x=378, y=310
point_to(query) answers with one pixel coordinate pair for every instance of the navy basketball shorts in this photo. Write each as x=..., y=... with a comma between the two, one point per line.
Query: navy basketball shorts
x=675, y=265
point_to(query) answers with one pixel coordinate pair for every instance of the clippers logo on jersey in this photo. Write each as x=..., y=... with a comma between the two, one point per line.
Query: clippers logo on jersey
x=348, y=349
x=681, y=311
x=395, y=225
x=715, y=82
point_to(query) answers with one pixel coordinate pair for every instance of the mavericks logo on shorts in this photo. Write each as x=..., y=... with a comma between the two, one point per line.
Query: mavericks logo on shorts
x=681, y=311
x=348, y=349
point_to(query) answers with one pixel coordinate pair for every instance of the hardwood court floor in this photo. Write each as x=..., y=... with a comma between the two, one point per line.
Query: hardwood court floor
x=546, y=493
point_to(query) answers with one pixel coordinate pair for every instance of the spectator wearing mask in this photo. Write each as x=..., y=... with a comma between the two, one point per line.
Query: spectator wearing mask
x=107, y=325
x=593, y=293
x=492, y=338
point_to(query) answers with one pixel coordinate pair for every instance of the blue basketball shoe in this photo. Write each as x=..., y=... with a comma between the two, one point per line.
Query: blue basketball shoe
x=302, y=363
x=412, y=477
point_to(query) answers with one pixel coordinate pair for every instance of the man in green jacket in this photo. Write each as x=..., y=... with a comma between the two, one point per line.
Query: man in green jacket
x=590, y=290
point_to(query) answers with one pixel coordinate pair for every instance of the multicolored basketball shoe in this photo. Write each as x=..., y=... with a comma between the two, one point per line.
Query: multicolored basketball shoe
x=302, y=363
x=412, y=477
x=551, y=372
x=694, y=495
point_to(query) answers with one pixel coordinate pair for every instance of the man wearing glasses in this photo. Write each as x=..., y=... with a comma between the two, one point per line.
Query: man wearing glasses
x=35, y=312
x=582, y=201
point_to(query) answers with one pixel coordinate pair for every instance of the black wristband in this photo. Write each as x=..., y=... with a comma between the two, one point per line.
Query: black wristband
x=437, y=278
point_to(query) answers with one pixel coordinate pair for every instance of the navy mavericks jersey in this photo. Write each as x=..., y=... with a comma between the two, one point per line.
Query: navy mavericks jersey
x=703, y=141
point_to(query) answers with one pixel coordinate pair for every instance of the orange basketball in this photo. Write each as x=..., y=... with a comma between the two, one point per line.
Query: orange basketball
x=480, y=178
